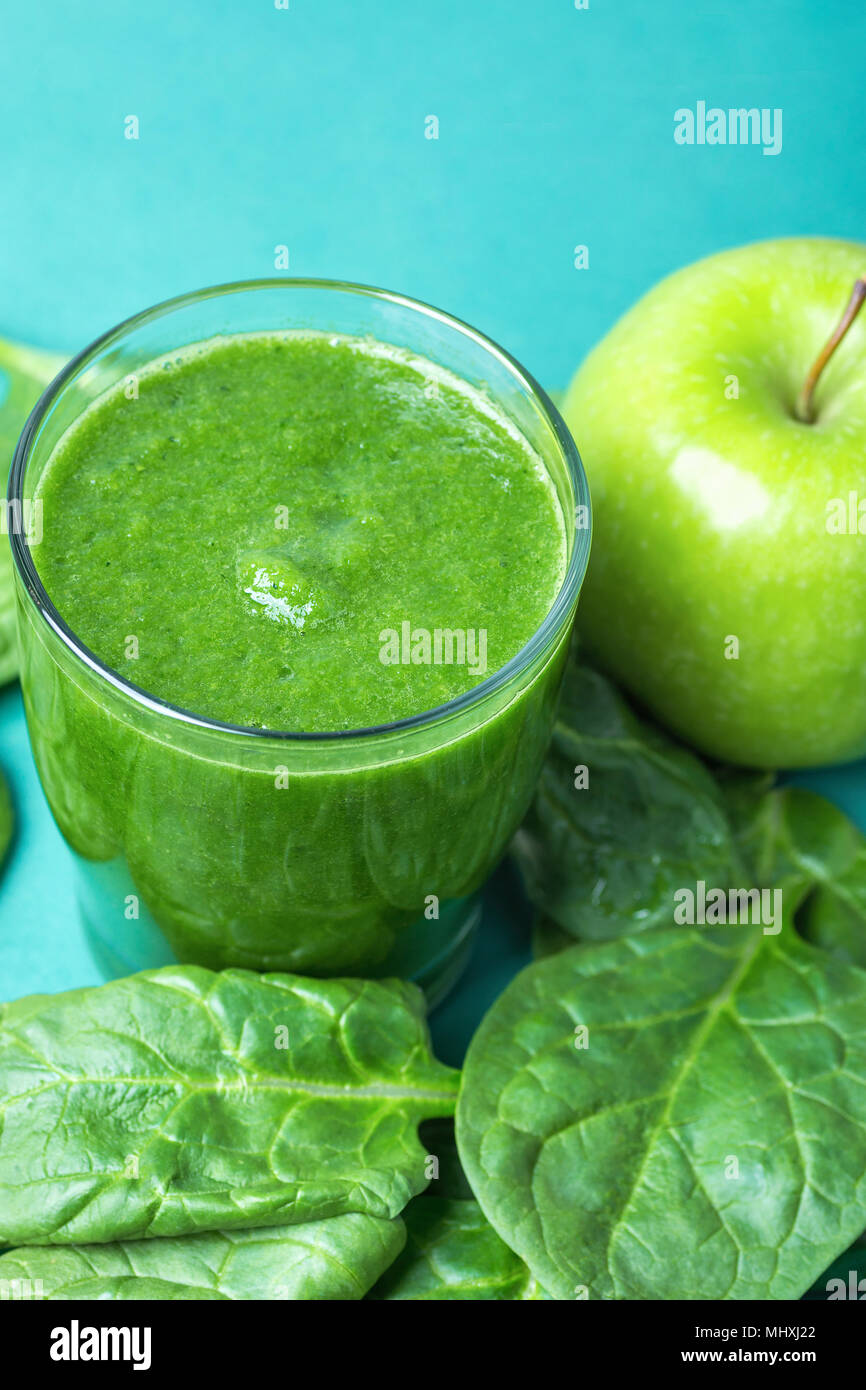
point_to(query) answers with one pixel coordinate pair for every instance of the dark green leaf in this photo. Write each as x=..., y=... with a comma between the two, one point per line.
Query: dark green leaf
x=792, y=835
x=339, y=1258
x=164, y=1104
x=604, y=861
x=709, y=1141
x=805, y=844
x=452, y=1252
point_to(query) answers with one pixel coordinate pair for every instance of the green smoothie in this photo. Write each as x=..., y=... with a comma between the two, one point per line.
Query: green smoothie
x=299, y=532
x=292, y=638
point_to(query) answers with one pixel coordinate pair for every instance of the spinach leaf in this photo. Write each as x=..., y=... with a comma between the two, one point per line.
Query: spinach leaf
x=452, y=1252
x=791, y=834
x=798, y=840
x=708, y=1142
x=604, y=859
x=338, y=1258
x=817, y=841
x=24, y=372
x=182, y=1100
x=834, y=917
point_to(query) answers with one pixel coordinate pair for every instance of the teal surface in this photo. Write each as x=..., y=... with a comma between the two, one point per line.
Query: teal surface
x=304, y=127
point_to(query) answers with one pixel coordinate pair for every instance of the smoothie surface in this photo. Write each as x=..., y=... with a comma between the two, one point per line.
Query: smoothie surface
x=292, y=532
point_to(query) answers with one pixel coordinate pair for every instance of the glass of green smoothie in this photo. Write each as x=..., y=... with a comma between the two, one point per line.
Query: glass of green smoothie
x=295, y=588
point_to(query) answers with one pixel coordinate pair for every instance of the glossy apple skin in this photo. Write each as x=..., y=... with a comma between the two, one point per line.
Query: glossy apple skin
x=710, y=512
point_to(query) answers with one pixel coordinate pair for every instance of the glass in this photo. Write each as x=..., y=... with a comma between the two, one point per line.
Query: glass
x=340, y=853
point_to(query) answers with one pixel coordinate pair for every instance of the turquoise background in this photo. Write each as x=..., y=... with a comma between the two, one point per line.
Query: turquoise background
x=305, y=127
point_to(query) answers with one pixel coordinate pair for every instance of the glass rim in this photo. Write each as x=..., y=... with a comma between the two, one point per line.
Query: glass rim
x=540, y=639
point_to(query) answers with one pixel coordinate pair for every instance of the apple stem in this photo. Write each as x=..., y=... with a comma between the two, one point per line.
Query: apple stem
x=805, y=410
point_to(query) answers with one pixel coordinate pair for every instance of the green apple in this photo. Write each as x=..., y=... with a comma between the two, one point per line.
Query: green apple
x=727, y=584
